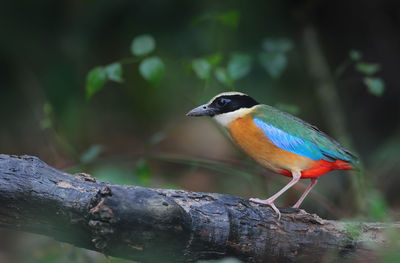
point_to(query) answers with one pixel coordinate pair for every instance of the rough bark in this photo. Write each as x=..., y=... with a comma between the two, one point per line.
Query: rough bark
x=173, y=225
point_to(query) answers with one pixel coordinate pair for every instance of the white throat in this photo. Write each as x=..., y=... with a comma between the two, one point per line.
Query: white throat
x=226, y=118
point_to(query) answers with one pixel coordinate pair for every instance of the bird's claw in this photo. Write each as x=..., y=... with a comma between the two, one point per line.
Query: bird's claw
x=267, y=202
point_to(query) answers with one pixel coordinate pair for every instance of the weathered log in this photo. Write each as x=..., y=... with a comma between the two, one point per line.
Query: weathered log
x=176, y=226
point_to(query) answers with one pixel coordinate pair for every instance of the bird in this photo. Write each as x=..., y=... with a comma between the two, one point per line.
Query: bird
x=278, y=141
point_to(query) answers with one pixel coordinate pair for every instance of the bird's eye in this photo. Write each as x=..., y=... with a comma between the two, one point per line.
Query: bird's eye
x=221, y=102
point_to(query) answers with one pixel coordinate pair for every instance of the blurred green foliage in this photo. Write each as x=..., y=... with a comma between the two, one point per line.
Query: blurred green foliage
x=91, y=154
x=367, y=68
x=143, y=45
x=375, y=85
x=139, y=176
x=114, y=72
x=151, y=68
x=239, y=65
x=95, y=80
x=229, y=18
x=273, y=59
x=377, y=207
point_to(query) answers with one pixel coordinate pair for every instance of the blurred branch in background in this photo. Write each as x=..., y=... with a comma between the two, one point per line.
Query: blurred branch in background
x=364, y=194
x=324, y=85
x=330, y=104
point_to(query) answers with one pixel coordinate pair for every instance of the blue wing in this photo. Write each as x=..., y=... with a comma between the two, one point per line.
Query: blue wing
x=290, y=142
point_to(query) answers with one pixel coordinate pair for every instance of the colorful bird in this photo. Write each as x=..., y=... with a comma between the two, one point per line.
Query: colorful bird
x=277, y=140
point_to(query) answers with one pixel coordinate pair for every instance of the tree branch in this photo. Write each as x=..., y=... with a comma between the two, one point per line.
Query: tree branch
x=151, y=224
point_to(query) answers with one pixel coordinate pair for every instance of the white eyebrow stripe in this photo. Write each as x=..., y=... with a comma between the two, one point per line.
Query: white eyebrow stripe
x=229, y=93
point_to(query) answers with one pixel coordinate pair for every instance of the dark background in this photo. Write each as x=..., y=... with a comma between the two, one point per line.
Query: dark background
x=137, y=133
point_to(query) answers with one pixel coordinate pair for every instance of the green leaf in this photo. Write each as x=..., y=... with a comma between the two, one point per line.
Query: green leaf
x=46, y=123
x=157, y=137
x=367, y=68
x=142, y=172
x=375, y=86
x=91, y=154
x=214, y=59
x=229, y=18
x=143, y=45
x=204, y=65
x=95, y=81
x=202, y=68
x=152, y=69
x=239, y=65
x=273, y=62
x=282, y=45
x=114, y=72
x=222, y=76
x=376, y=206
x=355, y=55
x=47, y=108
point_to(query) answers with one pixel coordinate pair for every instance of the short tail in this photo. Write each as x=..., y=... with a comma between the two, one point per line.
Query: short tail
x=343, y=165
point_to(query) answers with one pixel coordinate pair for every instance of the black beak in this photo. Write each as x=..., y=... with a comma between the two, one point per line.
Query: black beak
x=202, y=110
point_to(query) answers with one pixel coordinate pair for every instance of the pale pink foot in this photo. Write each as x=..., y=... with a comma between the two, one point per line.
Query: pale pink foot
x=270, y=201
x=267, y=202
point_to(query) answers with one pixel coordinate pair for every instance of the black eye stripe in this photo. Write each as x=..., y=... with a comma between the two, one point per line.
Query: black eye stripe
x=229, y=103
x=222, y=101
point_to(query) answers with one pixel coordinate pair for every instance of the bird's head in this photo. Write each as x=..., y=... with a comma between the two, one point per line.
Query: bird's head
x=225, y=107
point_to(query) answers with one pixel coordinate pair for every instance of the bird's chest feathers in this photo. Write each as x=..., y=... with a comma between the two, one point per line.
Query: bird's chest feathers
x=256, y=144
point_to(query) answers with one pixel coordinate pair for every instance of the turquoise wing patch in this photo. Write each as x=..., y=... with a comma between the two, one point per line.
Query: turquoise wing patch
x=290, y=142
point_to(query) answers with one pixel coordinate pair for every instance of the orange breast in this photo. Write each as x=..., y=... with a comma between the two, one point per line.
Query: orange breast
x=256, y=144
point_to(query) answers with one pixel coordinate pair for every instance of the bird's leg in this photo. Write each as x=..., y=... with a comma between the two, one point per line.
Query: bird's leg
x=266, y=202
x=270, y=201
x=313, y=182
